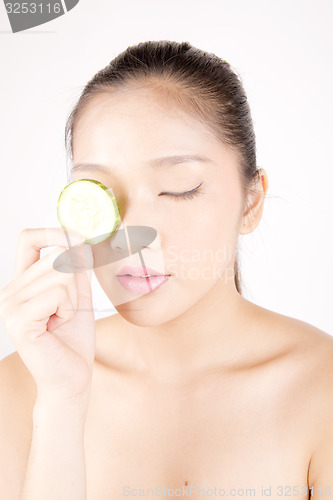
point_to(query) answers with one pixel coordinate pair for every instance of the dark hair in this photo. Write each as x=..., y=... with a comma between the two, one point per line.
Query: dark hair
x=198, y=81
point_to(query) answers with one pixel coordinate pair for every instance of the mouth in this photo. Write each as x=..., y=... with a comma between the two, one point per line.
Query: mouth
x=139, y=272
x=141, y=280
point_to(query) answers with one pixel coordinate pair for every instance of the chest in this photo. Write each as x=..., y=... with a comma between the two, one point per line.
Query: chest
x=167, y=443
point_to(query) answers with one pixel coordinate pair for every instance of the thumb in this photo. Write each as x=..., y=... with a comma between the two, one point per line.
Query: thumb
x=78, y=259
x=83, y=263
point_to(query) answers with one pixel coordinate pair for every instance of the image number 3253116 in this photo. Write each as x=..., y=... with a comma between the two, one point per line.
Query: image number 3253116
x=25, y=15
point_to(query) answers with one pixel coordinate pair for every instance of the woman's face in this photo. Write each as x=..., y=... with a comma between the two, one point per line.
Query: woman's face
x=195, y=237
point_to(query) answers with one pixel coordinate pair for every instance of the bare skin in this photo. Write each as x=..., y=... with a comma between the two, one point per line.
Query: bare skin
x=192, y=385
x=249, y=425
x=244, y=425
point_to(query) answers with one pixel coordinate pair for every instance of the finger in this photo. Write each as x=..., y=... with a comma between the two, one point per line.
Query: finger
x=40, y=267
x=59, y=265
x=32, y=240
x=31, y=322
x=39, y=286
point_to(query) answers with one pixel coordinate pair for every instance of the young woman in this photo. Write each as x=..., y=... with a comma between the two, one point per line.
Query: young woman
x=189, y=390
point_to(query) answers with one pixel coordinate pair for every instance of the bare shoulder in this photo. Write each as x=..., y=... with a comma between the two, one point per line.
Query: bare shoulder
x=17, y=398
x=305, y=369
x=14, y=376
x=313, y=350
x=315, y=357
x=17, y=387
x=300, y=340
x=300, y=356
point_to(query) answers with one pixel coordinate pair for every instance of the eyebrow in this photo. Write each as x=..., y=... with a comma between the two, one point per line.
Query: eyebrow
x=164, y=161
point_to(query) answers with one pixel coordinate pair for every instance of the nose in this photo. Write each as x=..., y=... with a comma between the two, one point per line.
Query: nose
x=128, y=240
x=136, y=230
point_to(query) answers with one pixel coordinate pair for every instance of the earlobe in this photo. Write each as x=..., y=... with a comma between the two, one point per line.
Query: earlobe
x=252, y=215
x=249, y=222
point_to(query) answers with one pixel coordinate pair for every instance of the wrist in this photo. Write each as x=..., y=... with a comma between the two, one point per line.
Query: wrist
x=57, y=410
x=46, y=397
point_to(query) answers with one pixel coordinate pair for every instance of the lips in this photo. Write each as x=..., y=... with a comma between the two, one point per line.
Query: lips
x=131, y=278
x=139, y=271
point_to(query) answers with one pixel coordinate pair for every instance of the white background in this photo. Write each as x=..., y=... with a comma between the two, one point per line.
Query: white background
x=283, y=52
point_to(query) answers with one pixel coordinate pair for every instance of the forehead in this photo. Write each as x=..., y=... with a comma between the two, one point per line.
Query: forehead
x=134, y=117
x=128, y=128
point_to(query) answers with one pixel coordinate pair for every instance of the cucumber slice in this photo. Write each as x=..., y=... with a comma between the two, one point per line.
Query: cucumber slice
x=89, y=208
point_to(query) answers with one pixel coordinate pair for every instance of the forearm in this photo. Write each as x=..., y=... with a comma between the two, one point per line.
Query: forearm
x=56, y=465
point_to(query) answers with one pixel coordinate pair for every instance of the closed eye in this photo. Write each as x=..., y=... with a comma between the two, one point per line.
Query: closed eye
x=188, y=195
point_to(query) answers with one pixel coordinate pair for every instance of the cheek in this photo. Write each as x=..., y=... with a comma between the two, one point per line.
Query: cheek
x=211, y=218
x=205, y=237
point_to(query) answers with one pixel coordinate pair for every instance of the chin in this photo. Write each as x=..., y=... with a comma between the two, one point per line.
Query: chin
x=140, y=314
x=138, y=317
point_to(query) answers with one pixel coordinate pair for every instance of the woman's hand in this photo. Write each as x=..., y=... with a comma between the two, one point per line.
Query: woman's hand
x=48, y=313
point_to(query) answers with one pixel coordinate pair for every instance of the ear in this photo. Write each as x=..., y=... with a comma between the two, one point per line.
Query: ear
x=255, y=204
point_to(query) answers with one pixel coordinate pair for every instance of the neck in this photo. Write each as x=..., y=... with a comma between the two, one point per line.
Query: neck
x=213, y=334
